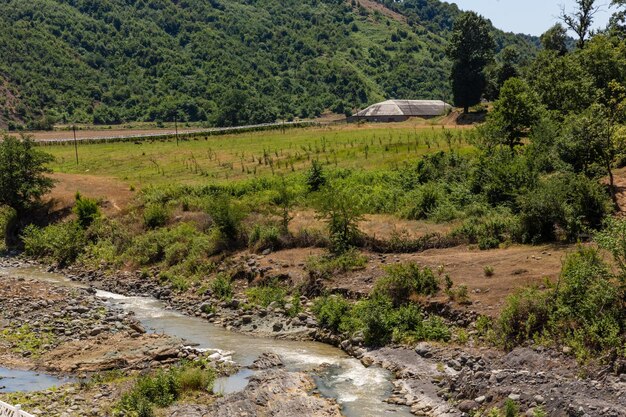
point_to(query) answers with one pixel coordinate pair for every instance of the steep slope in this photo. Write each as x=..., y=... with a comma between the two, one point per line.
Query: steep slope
x=223, y=61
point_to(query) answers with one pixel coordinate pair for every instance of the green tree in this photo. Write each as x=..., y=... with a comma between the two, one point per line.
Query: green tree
x=555, y=39
x=342, y=211
x=23, y=179
x=516, y=111
x=581, y=19
x=562, y=83
x=471, y=48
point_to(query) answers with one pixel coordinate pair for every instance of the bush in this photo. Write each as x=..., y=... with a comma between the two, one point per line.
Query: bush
x=571, y=203
x=163, y=388
x=86, y=210
x=222, y=286
x=155, y=215
x=226, y=216
x=490, y=229
x=264, y=237
x=424, y=202
x=264, y=295
x=315, y=178
x=330, y=311
x=405, y=281
x=525, y=316
x=342, y=211
x=62, y=242
x=327, y=266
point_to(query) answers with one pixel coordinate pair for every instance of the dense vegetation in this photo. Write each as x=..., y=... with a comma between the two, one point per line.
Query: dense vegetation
x=540, y=169
x=225, y=63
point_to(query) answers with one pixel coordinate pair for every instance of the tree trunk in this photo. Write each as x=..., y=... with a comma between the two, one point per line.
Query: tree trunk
x=612, y=186
x=465, y=109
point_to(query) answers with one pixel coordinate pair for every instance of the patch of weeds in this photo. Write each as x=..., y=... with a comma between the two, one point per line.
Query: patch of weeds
x=331, y=310
x=405, y=281
x=222, y=286
x=266, y=294
x=26, y=341
x=488, y=271
x=326, y=266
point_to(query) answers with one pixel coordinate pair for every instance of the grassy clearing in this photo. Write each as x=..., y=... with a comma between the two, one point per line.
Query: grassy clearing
x=257, y=154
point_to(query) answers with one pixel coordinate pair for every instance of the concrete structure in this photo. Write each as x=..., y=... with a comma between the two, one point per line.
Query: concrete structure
x=401, y=110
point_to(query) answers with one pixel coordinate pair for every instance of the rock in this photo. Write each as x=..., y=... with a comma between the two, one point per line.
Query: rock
x=137, y=327
x=468, y=406
x=454, y=364
x=277, y=327
x=247, y=319
x=539, y=399
x=480, y=399
x=423, y=349
x=267, y=360
x=567, y=350
x=97, y=330
x=514, y=397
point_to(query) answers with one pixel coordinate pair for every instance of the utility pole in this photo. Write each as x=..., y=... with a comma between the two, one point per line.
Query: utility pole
x=75, y=143
x=176, y=127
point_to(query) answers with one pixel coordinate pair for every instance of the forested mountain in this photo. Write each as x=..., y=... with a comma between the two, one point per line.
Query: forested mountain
x=222, y=61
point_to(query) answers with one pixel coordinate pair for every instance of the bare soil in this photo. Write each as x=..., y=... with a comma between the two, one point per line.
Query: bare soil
x=513, y=267
x=113, y=194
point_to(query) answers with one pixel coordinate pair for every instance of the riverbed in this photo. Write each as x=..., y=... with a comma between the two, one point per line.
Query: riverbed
x=359, y=390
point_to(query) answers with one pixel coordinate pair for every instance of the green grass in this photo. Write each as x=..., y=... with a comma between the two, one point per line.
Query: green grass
x=256, y=154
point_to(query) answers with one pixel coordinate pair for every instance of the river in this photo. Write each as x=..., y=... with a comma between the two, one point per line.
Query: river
x=359, y=390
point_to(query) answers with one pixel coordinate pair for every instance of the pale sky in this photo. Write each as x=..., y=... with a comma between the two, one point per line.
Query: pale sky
x=528, y=16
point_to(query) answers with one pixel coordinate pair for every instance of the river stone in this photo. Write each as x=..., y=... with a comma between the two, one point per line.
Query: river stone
x=267, y=360
x=277, y=327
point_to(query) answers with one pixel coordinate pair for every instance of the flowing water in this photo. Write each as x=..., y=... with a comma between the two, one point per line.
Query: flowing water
x=358, y=389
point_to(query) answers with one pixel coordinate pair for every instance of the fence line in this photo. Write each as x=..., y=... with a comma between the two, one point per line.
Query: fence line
x=182, y=135
x=8, y=410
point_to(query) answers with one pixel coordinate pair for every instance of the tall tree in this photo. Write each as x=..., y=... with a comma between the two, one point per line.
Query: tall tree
x=23, y=179
x=580, y=21
x=516, y=111
x=555, y=39
x=617, y=24
x=471, y=48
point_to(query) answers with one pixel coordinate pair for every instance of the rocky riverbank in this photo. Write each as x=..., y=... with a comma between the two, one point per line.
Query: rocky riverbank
x=433, y=380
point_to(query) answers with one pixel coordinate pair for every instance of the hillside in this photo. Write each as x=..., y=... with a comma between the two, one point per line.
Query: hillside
x=225, y=62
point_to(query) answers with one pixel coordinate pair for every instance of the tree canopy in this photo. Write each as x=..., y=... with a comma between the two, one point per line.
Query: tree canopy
x=470, y=49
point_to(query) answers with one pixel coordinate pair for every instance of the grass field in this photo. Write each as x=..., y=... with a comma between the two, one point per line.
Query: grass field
x=249, y=155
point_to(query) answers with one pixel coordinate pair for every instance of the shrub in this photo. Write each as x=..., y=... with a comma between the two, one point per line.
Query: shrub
x=525, y=316
x=488, y=270
x=489, y=230
x=264, y=237
x=222, y=286
x=163, y=388
x=511, y=409
x=315, y=178
x=572, y=203
x=226, y=216
x=425, y=200
x=196, y=379
x=330, y=311
x=326, y=266
x=86, y=210
x=62, y=242
x=264, y=295
x=406, y=280
x=155, y=215
x=342, y=211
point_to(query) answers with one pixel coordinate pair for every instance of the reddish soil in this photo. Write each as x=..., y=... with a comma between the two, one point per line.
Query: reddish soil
x=104, y=133
x=514, y=267
x=113, y=194
x=382, y=226
x=375, y=6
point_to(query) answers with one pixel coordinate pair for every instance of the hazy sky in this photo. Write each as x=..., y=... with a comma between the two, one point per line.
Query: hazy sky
x=527, y=16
